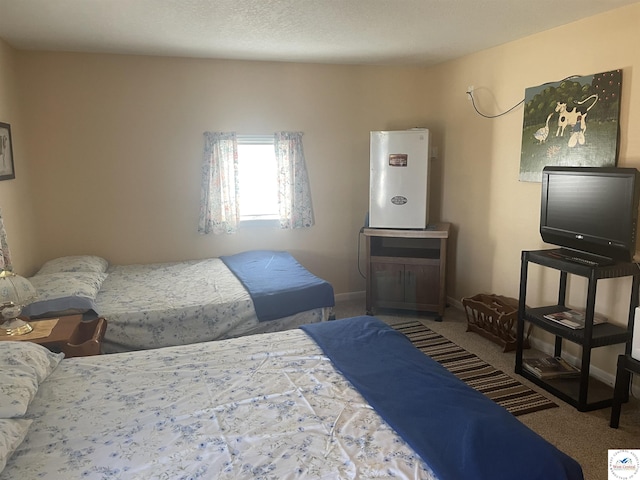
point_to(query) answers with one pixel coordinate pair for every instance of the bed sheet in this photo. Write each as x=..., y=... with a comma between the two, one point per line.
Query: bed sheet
x=165, y=304
x=262, y=407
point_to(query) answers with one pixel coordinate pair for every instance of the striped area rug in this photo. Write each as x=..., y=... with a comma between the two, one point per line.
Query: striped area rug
x=475, y=372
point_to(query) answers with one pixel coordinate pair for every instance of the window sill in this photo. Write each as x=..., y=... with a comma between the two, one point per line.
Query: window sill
x=260, y=222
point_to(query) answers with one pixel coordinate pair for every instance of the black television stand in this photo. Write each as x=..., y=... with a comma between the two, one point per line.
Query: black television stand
x=585, y=392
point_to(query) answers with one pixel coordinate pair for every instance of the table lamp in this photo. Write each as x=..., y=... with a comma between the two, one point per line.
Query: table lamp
x=15, y=293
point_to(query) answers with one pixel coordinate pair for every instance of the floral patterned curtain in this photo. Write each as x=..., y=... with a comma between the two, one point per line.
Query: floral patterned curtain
x=5, y=255
x=294, y=192
x=219, y=205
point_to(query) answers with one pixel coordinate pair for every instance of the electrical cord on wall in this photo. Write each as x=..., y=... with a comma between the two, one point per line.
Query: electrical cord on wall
x=473, y=101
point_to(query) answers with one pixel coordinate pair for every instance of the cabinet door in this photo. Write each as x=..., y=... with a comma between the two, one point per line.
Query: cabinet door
x=422, y=285
x=387, y=283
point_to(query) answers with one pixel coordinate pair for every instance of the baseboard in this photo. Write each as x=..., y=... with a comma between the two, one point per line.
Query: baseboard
x=344, y=297
x=454, y=302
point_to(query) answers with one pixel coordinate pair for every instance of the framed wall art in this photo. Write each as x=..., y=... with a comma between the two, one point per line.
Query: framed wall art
x=7, y=171
x=572, y=123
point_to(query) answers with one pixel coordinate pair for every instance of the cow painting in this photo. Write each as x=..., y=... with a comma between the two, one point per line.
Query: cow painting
x=573, y=116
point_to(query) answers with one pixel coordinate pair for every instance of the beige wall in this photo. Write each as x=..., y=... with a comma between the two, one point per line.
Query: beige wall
x=16, y=194
x=114, y=144
x=117, y=144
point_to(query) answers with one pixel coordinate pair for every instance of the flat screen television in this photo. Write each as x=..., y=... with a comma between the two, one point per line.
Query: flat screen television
x=591, y=211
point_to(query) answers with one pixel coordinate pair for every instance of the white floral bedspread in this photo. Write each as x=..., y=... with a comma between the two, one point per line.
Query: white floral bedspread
x=260, y=407
x=159, y=305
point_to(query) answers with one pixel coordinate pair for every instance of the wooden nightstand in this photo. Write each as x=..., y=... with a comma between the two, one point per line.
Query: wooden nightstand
x=71, y=336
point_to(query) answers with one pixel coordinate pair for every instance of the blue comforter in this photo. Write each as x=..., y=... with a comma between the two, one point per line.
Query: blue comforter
x=279, y=286
x=458, y=432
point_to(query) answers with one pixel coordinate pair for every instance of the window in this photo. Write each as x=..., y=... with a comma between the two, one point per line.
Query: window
x=258, y=178
x=274, y=186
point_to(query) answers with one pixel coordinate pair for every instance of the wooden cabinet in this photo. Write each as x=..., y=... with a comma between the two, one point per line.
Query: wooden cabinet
x=406, y=269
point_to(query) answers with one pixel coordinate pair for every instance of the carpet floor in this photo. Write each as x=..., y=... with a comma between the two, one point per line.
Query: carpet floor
x=475, y=372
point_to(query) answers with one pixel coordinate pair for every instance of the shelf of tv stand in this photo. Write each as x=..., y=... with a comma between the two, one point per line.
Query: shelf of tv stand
x=584, y=392
x=601, y=335
x=599, y=394
x=549, y=258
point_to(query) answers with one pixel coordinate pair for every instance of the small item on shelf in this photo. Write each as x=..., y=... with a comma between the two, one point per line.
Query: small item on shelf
x=550, y=367
x=574, y=318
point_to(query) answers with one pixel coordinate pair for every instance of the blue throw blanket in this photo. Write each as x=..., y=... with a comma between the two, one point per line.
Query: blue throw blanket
x=457, y=431
x=279, y=286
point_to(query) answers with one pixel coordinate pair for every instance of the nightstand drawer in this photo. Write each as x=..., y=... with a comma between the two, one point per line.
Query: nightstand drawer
x=73, y=337
x=86, y=339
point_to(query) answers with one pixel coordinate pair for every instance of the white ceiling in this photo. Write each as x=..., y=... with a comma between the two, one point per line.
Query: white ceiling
x=384, y=32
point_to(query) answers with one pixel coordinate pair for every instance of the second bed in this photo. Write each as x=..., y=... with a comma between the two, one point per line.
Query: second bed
x=165, y=304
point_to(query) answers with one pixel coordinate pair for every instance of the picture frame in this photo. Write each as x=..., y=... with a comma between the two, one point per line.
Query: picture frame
x=7, y=170
x=574, y=122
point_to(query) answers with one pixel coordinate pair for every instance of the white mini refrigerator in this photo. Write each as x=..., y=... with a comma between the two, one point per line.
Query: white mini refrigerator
x=399, y=179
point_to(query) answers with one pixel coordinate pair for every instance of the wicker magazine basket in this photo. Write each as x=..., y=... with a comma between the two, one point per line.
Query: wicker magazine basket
x=494, y=317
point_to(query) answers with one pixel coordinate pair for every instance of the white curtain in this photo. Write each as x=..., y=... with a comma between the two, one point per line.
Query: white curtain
x=219, y=199
x=5, y=255
x=219, y=205
x=294, y=192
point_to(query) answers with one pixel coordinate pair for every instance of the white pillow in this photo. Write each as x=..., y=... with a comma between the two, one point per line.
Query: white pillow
x=12, y=432
x=23, y=367
x=64, y=293
x=75, y=263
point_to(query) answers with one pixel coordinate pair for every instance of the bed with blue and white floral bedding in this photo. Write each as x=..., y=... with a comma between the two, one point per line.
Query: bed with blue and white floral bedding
x=267, y=406
x=159, y=305
x=165, y=304
x=271, y=406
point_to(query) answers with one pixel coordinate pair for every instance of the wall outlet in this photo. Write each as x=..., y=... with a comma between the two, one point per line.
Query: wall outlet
x=469, y=92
